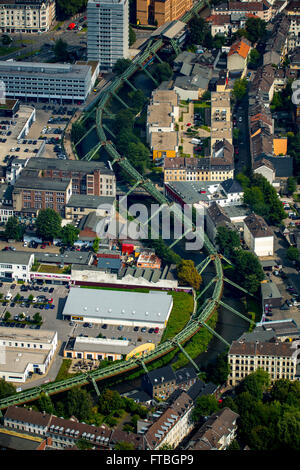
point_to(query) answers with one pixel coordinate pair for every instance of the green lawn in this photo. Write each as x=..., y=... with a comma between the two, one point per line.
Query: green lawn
x=8, y=50
x=183, y=305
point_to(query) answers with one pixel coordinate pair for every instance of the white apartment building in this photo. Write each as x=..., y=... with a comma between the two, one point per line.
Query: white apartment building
x=15, y=265
x=277, y=358
x=108, y=31
x=258, y=236
x=20, y=16
x=71, y=82
x=172, y=426
x=24, y=352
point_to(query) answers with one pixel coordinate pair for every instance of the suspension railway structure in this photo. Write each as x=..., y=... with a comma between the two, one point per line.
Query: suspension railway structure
x=203, y=312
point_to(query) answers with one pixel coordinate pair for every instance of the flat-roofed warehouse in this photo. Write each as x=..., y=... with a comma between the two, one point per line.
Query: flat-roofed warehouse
x=118, y=307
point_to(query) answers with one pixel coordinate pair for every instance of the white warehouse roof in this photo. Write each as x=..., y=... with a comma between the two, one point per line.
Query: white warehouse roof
x=119, y=305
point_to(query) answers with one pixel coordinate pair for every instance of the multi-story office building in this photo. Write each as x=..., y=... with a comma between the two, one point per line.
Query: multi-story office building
x=15, y=265
x=27, y=80
x=159, y=12
x=91, y=178
x=21, y=16
x=108, y=31
x=31, y=192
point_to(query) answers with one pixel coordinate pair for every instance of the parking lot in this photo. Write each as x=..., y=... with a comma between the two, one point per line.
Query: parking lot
x=52, y=317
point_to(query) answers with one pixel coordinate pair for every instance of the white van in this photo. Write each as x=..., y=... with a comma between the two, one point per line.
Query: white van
x=8, y=296
x=196, y=141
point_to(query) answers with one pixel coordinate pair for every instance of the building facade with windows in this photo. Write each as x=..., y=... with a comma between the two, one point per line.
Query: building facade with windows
x=91, y=178
x=277, y=358
x=15, y=265
x=27, y=80
x=108, y=31
x=19, y=16
x=31, y=192
x=25, y=353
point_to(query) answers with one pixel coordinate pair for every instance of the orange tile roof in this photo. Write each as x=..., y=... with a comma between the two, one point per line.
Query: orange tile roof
x=241, y=48
x=280, y=146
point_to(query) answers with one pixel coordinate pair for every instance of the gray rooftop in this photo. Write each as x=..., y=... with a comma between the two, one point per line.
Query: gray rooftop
x=119, y=305
x=88, y=201
x=15, y=257
x=50, y=184
x=69, y=257
x=56, y=70
x=68, y=165
x=269, y=290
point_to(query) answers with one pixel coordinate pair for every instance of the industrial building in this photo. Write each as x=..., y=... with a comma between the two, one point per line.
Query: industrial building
x=98, y=349
x=101, y=306
x=24, y=352
x=27, y=80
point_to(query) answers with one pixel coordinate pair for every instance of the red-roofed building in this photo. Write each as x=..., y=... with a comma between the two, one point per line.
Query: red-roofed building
x=237, y=56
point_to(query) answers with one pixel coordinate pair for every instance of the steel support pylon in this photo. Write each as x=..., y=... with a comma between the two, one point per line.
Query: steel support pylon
x=236, y=312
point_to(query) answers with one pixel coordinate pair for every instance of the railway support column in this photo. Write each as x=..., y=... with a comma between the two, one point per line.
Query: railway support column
x=206, y=288
x=180, y=238
x=215, y=333
x=109, y=131
x=158, y=58
x=93, y=381
x=200, y=268
x=84, y=136
x=119, y=99
x=187, y=356
x=236, y=312
x=237, y=286
x=150, y=76
x=92, y=152
x=130, y=84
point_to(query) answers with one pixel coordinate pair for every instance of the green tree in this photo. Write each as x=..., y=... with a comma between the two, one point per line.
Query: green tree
x=6, y=389
x=69, y=234
x=188, y=274
x=162, y=71
x=6, y=40
x=249, y=270
x=124, y=121
x=110, y=401
x=123, y=445
x=239, y=89
x=138, y=99
x=291, y=185
x=138, y=154
x=198, y=29
x=292, y=253
x=132, y=36
x=255, y=383
x=96, y=244
x=289, y=430
x=61, y=51
x=254, y=59
x=79, y=403
x=227, y=240
x=45, y=403
x=285, y=391
x=255, y=29
x=13, y=229
x=68, y=9
x=48, y=224
x=77, y=131
x=234, y=445
x=121, y=65
x=218, y=371
x=83, y=444
x=205, y=406
x=7, y=316
x=37, y=318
